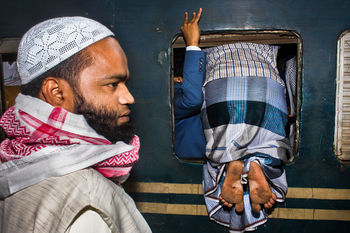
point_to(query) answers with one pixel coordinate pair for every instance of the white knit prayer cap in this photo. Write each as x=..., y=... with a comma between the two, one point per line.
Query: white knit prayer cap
x=49, y=43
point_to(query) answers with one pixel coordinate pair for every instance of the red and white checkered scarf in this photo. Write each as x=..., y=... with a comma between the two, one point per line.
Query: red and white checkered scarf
x=32, y=125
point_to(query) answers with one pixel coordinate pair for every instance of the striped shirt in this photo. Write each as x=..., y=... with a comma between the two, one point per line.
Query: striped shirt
x=242, y=60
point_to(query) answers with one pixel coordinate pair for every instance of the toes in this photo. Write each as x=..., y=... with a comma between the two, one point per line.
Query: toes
x=224, y=202
x=256, y=207
x=271, y=202
x=274, y=197
x=268, y=205
x=238, y=207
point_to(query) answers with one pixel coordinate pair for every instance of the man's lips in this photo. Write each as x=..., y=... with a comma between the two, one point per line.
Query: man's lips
x=124, y=117
x=126, y=114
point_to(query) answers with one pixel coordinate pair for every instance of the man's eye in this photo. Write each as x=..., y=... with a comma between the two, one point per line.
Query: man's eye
x=113, y=84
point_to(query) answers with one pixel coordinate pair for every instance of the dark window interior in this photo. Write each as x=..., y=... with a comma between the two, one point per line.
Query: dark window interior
x=8, y=92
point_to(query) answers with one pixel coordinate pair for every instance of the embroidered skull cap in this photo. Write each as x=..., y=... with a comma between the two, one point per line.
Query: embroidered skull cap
x=49, y=43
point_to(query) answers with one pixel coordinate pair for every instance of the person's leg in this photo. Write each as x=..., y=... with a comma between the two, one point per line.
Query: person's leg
x=259, y=189
x=232, y=189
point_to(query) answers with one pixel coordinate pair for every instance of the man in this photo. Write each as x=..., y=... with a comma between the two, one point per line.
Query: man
x=72, y=114
x=243, y=115
x=188, y=95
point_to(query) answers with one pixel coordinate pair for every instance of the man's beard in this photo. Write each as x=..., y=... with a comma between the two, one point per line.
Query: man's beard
x=104, y=122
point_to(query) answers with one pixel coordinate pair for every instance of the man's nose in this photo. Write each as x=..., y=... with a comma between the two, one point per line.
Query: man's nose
x=125, y=96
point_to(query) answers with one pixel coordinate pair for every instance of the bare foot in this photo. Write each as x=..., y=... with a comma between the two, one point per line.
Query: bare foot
x=259, y=190
x=232, y=189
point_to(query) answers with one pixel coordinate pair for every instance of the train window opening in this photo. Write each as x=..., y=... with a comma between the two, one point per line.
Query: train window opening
x=342, y=113
x=288, y=60
x=9, y=77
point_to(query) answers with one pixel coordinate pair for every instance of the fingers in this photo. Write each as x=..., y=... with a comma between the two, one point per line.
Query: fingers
x=195, y=16
x=190, y=28
x=186, y=18
x=199, y=14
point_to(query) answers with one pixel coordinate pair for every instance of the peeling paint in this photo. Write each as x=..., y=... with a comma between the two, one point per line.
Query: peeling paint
x=162, y=57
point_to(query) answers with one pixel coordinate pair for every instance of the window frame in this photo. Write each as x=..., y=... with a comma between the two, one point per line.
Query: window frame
x=215, y=38
x=343, y=44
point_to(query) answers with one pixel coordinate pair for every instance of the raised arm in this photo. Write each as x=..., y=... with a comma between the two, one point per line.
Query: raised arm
x=188, y=99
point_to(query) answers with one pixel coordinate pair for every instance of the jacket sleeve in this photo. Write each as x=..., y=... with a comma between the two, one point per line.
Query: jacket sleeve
x=188, y=100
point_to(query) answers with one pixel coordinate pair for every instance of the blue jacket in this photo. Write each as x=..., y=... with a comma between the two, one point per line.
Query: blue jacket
x=189, y=137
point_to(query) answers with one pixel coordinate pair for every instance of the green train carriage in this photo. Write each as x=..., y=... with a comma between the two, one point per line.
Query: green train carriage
x=167, y=189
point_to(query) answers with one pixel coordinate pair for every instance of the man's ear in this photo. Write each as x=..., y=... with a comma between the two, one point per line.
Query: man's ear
x=57, y=92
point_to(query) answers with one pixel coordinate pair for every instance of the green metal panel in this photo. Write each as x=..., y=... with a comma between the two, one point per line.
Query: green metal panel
x=145, y=30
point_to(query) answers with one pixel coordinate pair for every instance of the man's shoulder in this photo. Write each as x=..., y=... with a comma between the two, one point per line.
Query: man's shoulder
x=84, y=184
x=77, y=190
x=85, y=179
